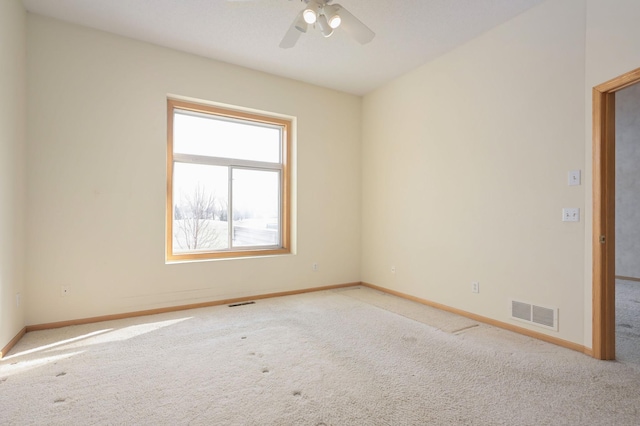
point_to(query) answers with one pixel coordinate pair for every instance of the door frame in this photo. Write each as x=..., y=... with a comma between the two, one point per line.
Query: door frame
x=604, y=187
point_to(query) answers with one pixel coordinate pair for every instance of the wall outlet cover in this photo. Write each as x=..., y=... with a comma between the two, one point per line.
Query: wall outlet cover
x=570, y=214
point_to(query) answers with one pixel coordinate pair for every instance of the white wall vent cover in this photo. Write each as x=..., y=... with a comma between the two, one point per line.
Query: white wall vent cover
x=542, y=316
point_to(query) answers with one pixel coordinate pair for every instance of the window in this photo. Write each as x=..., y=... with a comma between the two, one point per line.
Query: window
x=227, y=183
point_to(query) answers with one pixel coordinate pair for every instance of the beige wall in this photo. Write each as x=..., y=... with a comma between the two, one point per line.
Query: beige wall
x=627, y=181
x=467, y=158
x=96, y=155
x=12, y=162
x=465, y=165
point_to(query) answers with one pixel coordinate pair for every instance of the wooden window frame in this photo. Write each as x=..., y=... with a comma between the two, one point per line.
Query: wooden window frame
x=285, y=185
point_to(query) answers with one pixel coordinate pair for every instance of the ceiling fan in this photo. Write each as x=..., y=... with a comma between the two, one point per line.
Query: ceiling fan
x=327, y=17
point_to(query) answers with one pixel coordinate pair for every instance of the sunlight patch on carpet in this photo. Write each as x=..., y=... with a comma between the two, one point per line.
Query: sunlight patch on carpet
x=57, y=344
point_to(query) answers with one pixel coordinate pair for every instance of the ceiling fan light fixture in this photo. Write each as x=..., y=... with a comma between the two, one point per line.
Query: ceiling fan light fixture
x=331, y=13
x=325, y=29
x=310, y=14
x=328, y=17
x=335, y=21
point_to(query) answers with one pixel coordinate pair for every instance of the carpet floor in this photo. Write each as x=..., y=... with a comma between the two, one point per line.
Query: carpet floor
x=628, y=321
x=341, y=357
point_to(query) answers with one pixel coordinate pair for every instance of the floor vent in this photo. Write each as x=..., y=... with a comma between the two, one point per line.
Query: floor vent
x=241, y=304
x=538, y=315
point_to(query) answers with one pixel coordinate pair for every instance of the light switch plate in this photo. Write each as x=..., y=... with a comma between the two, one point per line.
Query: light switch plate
x=574, y=177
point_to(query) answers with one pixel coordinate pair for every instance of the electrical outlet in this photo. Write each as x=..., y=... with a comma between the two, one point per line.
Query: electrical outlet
x=571, y=215
x=64, y=291
x=393, y=269
x=475, y=287
x=315, y=267
x=18, y=300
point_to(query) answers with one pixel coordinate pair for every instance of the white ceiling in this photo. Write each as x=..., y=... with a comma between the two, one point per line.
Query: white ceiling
x=409, y=33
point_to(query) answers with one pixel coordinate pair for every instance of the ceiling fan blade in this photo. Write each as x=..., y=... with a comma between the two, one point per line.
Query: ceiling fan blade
x=293, y=34
x=354, y=26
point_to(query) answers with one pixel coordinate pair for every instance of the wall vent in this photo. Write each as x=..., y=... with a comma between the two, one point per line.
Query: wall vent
x=542, y=316
x=233, y=305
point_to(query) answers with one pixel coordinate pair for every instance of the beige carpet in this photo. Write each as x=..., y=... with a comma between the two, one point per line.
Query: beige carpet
x=628, y=321
x=441, y=320
x=326, y=358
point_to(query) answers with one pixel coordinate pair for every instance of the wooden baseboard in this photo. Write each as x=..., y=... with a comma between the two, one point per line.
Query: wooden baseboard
x=475, y=317
x=13, y=342
x=490, y=321
x=619, y=277
x=59, y=324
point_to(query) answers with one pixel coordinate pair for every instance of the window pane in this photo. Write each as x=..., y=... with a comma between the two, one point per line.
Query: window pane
x=200, y=208
x=213, y=136
x=256, y=208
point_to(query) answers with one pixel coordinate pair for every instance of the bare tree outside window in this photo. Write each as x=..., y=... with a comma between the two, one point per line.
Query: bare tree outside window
x=199, y=226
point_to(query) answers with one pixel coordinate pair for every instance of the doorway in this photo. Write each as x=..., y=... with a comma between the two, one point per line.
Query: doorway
x=627, y=267
x=604, y=134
